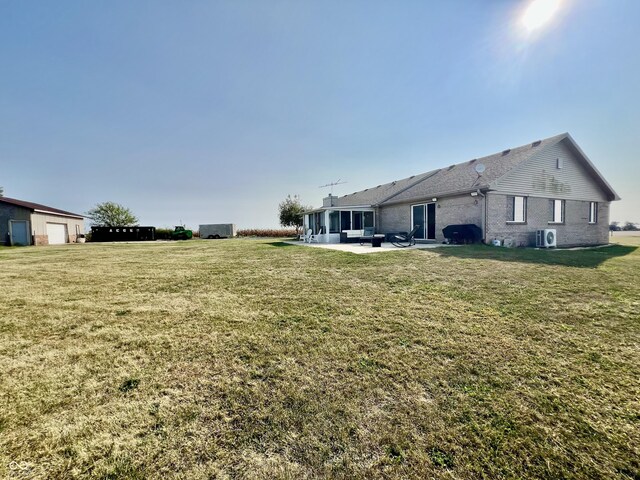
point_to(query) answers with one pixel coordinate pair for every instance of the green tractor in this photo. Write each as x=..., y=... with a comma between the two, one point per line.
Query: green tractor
x=181, y=233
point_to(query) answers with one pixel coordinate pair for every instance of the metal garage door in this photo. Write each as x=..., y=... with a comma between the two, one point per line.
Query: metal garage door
x=57, y=233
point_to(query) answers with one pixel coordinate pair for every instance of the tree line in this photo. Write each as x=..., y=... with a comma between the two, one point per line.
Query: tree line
x=626, y=227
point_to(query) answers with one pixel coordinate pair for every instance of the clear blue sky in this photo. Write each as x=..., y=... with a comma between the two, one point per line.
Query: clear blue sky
x=212, y=112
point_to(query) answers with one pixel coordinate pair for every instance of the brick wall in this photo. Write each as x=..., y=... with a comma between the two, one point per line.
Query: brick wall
x=458, y=210
x=41, y=239
x=394, y=218
x=575, y=230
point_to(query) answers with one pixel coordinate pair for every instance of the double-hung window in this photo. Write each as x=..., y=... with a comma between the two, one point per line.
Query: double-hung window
x=518, y=210
x=593, y=212
x=557, y=214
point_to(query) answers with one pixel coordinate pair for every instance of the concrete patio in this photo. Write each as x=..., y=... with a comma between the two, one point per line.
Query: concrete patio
x=367, y=248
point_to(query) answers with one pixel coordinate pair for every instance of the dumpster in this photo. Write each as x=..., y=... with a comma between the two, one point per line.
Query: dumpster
x=123, y=234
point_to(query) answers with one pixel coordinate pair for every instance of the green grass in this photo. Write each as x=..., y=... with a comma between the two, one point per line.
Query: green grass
x=249, y=359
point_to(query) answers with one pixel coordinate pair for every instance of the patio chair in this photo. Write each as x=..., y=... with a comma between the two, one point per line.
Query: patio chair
x=310, y=237
x=367, y=235
x=402, y=241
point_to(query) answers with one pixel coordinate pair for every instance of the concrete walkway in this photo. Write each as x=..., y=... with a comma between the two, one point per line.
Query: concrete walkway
x=367, y=248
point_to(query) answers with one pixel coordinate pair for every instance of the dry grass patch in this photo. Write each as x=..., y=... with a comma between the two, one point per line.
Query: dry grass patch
x=253, y=359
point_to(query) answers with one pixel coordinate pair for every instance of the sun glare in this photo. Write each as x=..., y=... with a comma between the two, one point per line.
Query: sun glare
x=539, y=13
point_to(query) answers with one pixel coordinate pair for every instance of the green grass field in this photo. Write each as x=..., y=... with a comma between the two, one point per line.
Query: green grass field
x=256, y=359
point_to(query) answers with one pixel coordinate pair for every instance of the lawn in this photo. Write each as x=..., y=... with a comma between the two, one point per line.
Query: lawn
x=256, y=359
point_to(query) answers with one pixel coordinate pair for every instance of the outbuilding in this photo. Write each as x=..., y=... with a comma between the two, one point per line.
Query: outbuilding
x=28, y=223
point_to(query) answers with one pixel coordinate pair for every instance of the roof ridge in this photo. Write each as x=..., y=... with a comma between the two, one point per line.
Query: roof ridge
x=524, y=145
x=38, y=206
x=433, y=172
x=426, y=176
x=460, y=175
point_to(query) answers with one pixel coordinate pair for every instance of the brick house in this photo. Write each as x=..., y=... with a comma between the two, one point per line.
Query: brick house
x=510, y=195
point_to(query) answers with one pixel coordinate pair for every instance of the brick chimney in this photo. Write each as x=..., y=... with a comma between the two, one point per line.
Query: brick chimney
x=328, y=201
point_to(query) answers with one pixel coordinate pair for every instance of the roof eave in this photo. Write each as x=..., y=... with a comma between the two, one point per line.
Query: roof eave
x=453, y=193
x=59, y=214
x=337, y=207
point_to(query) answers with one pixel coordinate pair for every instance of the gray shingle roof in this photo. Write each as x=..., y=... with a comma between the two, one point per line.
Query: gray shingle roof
x=377, y=195
x=461, y=177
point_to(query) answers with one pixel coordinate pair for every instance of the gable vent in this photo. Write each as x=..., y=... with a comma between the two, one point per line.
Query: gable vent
x=536, y=143
x=506, y=152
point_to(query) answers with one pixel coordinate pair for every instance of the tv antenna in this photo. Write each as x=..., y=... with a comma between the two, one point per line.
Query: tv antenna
x=332, y=184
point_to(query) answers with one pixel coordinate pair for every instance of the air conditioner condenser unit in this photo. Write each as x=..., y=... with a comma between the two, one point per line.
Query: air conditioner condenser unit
x=546, y=238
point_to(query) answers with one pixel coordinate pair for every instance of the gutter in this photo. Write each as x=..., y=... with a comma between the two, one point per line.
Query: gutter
x=454, y=193
x=339, y=209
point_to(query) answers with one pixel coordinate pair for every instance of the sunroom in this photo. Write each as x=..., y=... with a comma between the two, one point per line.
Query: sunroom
x=326, y=224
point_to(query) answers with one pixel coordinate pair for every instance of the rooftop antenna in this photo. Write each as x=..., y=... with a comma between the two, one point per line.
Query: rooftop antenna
x=332, y=184
x=479, y=168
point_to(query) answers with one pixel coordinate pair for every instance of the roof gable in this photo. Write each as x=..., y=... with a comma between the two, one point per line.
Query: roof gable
x=541, y=175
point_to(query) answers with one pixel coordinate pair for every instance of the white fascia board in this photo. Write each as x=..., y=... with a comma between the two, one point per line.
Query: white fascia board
x=593, y=167
x=57, y=214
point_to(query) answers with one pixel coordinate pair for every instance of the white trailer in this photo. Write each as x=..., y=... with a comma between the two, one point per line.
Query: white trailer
x=218, y=230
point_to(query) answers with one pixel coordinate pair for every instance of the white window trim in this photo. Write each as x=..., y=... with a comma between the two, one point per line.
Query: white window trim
x=562, y=212
x=524, y=210
x=593, y=220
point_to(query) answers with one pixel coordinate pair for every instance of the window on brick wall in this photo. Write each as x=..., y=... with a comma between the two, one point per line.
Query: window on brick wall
x=593, y=212
x=517, y=209
x=557, y=211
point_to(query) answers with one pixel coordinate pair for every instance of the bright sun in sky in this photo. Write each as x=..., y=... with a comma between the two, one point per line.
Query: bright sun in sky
x=539, y=13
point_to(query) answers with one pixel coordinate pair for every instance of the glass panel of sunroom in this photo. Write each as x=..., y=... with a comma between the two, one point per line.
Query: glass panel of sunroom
x=368, y=220
x=334, y=221
x=345, y=221
x=319, y=226
x=357, y=220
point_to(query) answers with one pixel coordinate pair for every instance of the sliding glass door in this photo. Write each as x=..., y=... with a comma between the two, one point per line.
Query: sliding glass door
x=418, y=215
x=424, y=216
